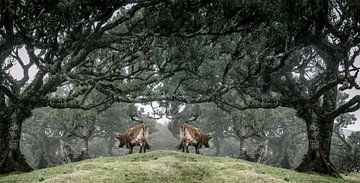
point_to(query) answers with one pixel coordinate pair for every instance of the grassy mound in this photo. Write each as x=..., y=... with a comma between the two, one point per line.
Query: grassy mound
x=167, y=166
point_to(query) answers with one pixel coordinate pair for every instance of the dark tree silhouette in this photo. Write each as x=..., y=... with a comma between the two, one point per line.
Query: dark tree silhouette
x=237, y=54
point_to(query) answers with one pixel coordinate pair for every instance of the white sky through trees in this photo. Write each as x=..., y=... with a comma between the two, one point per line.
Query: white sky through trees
x=17, y=72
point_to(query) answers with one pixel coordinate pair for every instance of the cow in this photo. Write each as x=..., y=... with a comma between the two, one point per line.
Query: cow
x=192, y=136
x=135, y=136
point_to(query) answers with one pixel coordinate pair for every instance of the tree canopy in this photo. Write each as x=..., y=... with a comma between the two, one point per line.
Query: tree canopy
x=236, y=54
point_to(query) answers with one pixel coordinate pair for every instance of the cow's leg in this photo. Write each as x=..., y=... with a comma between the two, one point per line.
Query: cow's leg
x=131, y=149
x=197, y=149
x=144, y=148
x=187, y=148
x=141, y=149
x=182, y=148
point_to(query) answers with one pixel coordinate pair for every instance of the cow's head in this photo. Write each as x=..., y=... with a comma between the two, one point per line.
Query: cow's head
x=122, y=139
x=205, y=139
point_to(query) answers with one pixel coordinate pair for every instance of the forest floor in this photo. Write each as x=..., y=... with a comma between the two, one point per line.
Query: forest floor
x=168, y=166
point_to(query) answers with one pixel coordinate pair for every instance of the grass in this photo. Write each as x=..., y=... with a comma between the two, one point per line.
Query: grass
x=168, y=166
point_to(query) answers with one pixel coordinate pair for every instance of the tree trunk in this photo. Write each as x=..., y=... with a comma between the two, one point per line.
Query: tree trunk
x=261, y=152
x=84, y=149
x=217, y=145
x=46, y=146
x=11, y=158
x=317, y=158
x=84, y=145
x=43, y=163
x=285, y=160
x=242, y=149
x=66, y=152
x=111, y=145
x=244, y=154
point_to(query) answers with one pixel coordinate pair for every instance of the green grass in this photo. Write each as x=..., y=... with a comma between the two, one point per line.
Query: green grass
x=168, y=166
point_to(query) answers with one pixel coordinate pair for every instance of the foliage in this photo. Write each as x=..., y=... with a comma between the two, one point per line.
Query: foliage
x=343, y=151
x=236, y=54
x=286, y=133
x=354, y=138
x=47, y=126
x=343, y=120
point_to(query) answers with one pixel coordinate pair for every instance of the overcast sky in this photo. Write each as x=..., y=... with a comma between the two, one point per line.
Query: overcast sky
x=355, y=126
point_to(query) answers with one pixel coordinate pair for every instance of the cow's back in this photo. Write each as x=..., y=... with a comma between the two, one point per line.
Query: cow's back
x=137, y=132
x=135, y=136
x=190, y=133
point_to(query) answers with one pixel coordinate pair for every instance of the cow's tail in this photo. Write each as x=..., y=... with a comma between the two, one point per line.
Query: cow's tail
x=146, y=135
x=182, y=132
x=144, y=129
x=182, y=136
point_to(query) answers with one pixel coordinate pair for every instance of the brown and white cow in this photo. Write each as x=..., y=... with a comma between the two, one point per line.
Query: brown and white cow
x=135, y=136
x=192, y=136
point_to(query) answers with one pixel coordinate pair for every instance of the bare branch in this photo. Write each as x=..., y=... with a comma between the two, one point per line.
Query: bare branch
x=8, y=93
x=61, y=103
x=24, y=67
x=352, y=105
x=325, y=88
x=192, y=118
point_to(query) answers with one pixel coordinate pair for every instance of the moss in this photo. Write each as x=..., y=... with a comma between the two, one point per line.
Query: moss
x=166, y=166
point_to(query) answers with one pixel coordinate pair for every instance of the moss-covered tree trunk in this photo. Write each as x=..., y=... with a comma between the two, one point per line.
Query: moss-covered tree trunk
x=319, y=131
x=11, y=158
x=317, y=158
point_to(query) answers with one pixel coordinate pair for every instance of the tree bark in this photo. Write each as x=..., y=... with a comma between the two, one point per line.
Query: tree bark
x=285, y=160
x=242, y=149
x=66, y=152
x=317, y=158
x=320, y=126
x=83, y=146
x=261, y=152
x=110, y=146
x=43, y=163
x=11, y=158
x=84, y=149
x=217, y=145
